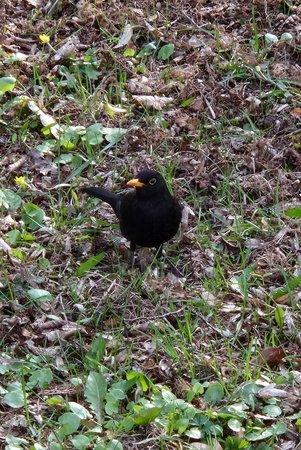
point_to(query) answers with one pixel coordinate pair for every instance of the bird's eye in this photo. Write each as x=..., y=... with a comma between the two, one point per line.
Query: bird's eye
x=152, y=181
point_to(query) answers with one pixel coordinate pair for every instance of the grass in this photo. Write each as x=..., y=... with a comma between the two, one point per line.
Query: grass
x=112, y=358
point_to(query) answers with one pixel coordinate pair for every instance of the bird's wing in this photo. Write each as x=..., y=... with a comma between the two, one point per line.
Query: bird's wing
x=106, y=196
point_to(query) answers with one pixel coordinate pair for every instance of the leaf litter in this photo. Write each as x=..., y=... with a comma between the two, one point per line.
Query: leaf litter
x=228, y=126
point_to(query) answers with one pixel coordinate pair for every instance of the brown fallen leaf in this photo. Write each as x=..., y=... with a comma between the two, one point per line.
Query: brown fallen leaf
x=271, y=391
x=272, y=356
x=65, y=50
x=139, y=85
x=296, y=112
x=125, y=37
x=35, y=3
x=153, y=101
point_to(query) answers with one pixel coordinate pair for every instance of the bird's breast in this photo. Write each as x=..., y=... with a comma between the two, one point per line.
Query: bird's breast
x=149, y=223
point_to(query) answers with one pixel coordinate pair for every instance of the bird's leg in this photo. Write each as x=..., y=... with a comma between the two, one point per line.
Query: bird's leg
x=133, y=255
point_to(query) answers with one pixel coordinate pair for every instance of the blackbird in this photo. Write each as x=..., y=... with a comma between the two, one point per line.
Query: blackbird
x=148, y=215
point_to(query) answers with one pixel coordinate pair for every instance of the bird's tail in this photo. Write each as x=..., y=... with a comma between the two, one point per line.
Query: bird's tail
x=105, y=195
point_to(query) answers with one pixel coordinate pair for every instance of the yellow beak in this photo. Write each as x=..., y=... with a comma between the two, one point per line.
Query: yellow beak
x=135, y=183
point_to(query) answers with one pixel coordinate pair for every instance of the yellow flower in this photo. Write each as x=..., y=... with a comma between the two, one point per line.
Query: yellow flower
x=44, y=38
x=21, y=181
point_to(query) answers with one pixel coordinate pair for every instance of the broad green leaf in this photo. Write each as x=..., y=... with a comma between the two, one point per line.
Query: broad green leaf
x=33, y=216
x=95, y=392
x=236, y=443
x=295, y=416
x=27, y=237
x=270, y=38
x=55, y=446
x=14, y=200
x=13, y=236
x=129, y=52
x=114, y=445
x=127, y=424
x=235, y=425
x=214, y=393
x=248, y=393
x=291, y=284
x=90, y=263
x=41, y=378
x=56, y=400
x=295, y=213
x=91, y=72
x=113, y=109
x=39, y=447
x=241, y=282
x=182, y=424
x=15, y=396
x=144, y=416
x=3, y=200
x=76, y=381
x=80, y=442
x=70, y=80
x=97, y=350
x=114, y=135
x=279, y=316
x=14, y=440
x=39, y=295
x=18, y=253
x=265, y=433
x=287, y=38
x=9, y=199
x=17, y=57
x=113, y=398
x=279, y=428
x=194, y=433
x=44, y=263
x=94, y=134
x=70, y=137
x=166, y=51
x=147, y=50
x=140, y=378
x=64, y=158
x=7, y=84
x=69, y=424
x=272, y=410
x=260, y=434
x=141, y=68
x=47, y=146
x=79, y=410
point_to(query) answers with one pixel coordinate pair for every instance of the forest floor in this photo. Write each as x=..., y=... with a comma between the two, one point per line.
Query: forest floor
x=96, y=355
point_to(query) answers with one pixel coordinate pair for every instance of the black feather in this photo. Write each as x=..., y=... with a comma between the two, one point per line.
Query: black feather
x=106, y=196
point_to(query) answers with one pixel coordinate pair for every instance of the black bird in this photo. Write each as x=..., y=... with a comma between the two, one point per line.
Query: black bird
x=148, y=215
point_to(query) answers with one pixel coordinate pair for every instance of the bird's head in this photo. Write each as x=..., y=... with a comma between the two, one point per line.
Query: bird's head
x=148, y=183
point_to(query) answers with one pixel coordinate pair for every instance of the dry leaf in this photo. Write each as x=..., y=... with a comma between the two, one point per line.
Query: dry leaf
x=296, y=112
x=125, y=37
x=269, y=392
x=139, y=85
x=46, y=119
x=153, y=101
x=272, y=356
x=35, y=3
x=66, y=50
